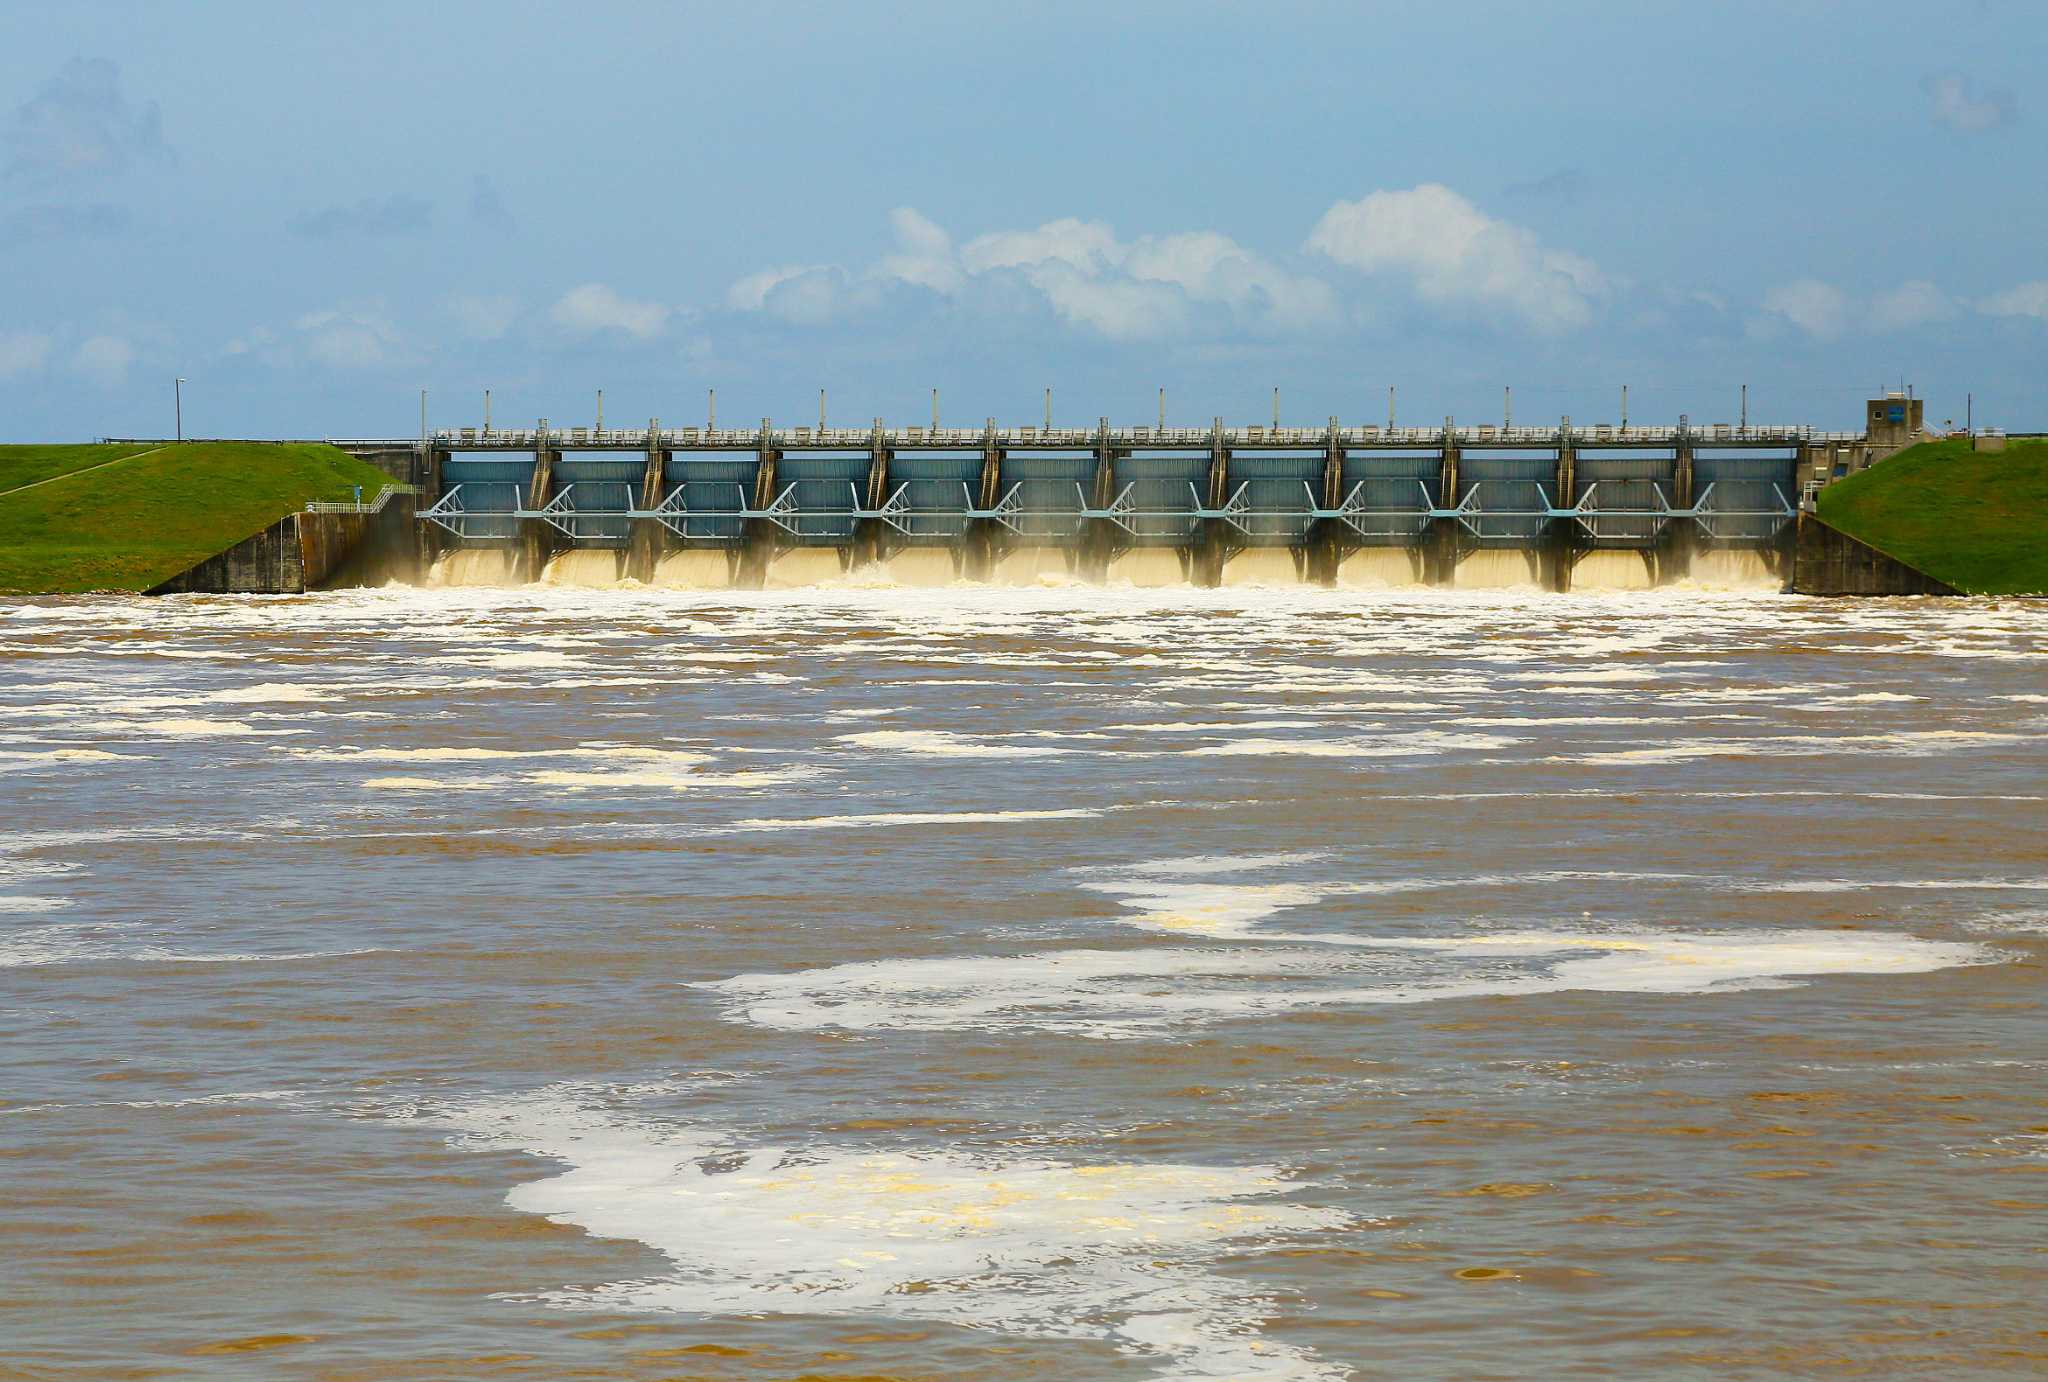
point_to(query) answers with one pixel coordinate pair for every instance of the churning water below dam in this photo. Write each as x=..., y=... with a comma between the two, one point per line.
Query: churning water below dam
x=1059, y=982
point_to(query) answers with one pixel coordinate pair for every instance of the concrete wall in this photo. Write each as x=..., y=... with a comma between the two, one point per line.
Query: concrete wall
x=310, y=551
x=1827, y=561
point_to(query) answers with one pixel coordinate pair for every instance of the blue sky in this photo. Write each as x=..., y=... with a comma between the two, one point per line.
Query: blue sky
x=312, y=212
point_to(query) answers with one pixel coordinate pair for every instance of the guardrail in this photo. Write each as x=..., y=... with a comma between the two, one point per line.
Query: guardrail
x=1085, y=438
x=376, y=505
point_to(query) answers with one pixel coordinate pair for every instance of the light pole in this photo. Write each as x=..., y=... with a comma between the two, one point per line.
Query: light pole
x=178, y=399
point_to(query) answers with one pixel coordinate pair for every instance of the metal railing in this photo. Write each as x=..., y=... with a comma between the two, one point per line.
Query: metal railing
x=1092, y=438
x=384, y=496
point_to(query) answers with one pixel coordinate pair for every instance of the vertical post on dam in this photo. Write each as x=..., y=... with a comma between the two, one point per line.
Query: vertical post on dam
x=1440, y=554
x=761, y=535
x=1560, y=541
x=1683, y=538
x=875, y=545
x=1325, y=540
x=649, y=539
x=1103, y=539
x=536, y=540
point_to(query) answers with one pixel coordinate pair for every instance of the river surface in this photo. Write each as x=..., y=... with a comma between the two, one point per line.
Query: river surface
x=984, y=984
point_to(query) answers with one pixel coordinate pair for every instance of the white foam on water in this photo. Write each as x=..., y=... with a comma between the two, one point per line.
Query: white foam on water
x=1199, y=864
x=180, y=728
x=68, y=756
x=938, y=743
x=1422, y=743
x=431, y=784
x=1854, y=885
x=269, y=692
x=61, y=943
x=1125, y=993
x=1113, y=1251
x=1903, y=744
x=430, y=755
x=902, y=818
x=1589, y=674
x=1145, y=992
x=675, y=779
x=254, y=1096
x=527, y=659
x=1200, y=727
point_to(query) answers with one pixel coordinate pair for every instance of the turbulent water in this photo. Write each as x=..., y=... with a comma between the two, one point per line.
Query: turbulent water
x=977, y=983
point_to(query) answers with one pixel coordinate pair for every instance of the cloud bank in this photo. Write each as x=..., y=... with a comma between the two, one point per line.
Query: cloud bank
x=1454, y=254
x=81, y=125
x=1427, y=242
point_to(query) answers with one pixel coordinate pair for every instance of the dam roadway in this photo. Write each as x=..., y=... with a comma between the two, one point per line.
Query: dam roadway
x=1552, y=506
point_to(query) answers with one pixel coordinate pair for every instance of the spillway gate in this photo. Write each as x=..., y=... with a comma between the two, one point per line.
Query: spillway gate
x=1089, y=495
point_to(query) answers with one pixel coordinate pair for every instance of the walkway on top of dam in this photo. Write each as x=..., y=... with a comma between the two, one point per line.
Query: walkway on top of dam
x=1103, y=435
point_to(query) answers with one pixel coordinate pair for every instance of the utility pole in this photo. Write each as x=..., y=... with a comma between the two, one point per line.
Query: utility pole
x=711, y=421
x=423, y=417
x=1970, y=413
x=1048, y=410
x=1507, y=408
x=487, y=412
x=1390, y=407
x=1745, y=410
x=821, y=410
x=935, y=410
x=1624, y=407
x=1162, y=409
x=1276, y=407
x=600, y=410
x=178, y=402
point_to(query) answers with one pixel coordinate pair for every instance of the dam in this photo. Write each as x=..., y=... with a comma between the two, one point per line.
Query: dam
x=1552, y=507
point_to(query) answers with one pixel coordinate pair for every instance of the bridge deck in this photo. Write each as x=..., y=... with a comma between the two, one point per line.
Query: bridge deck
x=1117, y=438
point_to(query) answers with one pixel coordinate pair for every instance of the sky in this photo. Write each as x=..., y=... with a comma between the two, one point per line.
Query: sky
x=313, y=212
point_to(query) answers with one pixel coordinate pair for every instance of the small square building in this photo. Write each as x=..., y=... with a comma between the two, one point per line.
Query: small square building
x=1893, y=421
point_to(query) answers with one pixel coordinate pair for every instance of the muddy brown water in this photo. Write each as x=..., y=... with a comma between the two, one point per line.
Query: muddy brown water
x=1041, y=983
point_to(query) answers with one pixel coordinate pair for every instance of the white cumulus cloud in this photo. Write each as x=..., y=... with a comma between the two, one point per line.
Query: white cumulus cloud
x=2021, y=300
x=594, y=307
x=22, y=352
x=104, y=360
x=483, y=318
x=1913, y=303
x=924, y=253
x=1958, y=104
x=1817, y=308
x=349, y=338
x=1455, y=254
x=1148, y=288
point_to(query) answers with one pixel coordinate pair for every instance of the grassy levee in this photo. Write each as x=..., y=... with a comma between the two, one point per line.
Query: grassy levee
x=136, y=523
x=28, y=465
x=1977, y=520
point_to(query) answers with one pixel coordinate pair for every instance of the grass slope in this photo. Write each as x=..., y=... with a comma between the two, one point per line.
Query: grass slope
x=134, y=524
x=1975, y=519
x=25, y=465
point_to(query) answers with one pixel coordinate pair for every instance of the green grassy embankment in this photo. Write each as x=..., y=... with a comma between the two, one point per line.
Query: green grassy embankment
x=1975, y=519
x=141, y=520
x=29, y=465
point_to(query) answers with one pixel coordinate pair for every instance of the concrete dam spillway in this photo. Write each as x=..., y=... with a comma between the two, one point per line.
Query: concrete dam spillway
x=1553, y=508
